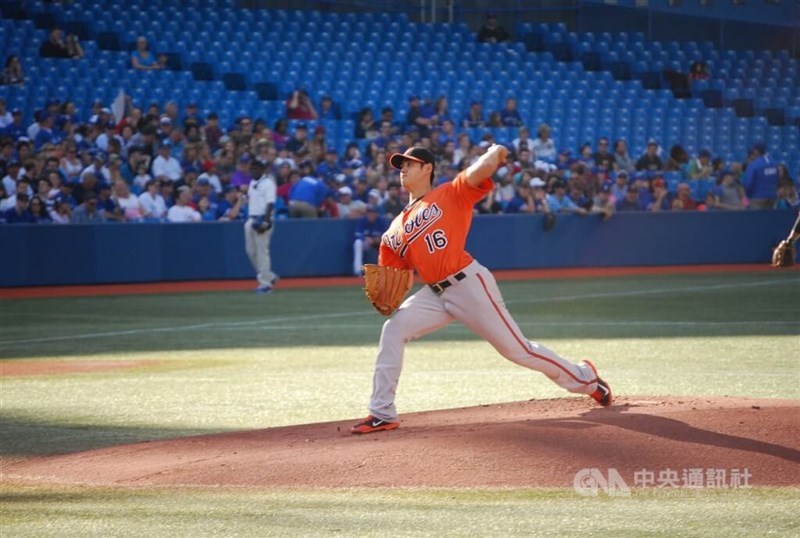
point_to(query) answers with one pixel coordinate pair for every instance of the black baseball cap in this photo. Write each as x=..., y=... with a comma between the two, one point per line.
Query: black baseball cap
x=418, y=155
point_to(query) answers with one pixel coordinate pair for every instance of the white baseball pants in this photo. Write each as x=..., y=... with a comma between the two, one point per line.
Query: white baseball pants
x=476, y=302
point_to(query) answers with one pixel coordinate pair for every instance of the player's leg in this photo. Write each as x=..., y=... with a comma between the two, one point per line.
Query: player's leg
x=477, y=303
x=420, y=314
x=249, y=244
x=265, y=274
x=358, y=256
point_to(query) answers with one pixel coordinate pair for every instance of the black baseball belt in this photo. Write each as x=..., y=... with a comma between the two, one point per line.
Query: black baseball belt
x=439, y=287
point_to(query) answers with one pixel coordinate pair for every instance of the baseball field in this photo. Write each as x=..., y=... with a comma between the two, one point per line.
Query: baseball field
x=222, y=413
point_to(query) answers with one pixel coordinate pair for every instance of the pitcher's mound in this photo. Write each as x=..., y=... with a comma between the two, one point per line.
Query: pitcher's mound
x=523, y=444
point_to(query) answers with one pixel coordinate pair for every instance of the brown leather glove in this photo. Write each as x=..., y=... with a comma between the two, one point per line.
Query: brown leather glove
x=386, y=287
x=784, y=254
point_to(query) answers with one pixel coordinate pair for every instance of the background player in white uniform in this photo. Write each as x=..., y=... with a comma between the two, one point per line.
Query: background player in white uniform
x=261, y=195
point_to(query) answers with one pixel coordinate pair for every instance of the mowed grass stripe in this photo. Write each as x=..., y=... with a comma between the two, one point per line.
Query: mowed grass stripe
x=300, y=317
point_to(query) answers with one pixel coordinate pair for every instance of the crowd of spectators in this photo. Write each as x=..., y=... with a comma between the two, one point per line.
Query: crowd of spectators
x=163, y=164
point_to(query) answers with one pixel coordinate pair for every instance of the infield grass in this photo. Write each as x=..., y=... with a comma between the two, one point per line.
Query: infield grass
x=232, y=361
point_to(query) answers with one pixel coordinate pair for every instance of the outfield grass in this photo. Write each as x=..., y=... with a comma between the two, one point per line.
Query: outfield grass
x=231, y=361
x=417, y=512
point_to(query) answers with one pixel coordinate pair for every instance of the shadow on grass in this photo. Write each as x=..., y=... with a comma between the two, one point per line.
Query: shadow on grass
x=25, y=437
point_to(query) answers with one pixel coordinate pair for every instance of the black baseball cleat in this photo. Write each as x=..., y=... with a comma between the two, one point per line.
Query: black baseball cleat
x=602, y=393
x=372, y=424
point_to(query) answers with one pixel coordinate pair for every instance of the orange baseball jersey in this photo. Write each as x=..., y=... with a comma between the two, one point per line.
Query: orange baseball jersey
x=430, y=234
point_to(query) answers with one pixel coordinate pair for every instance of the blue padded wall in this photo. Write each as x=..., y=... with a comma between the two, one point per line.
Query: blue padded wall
x=52, y=255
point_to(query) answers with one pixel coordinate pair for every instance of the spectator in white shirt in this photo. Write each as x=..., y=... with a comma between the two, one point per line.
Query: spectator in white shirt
x=107, y=135
x=182, y=211
x=213, y=178
x=166, y=167
x=152, y=203
x=98, y=168
x=128, y=203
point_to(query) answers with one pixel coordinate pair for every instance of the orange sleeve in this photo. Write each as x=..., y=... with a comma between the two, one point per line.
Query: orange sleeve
x=468, y=194
x=389, y=258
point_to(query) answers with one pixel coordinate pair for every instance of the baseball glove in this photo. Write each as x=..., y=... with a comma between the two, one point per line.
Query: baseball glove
x=261, y=225
x=386, y=286
x=784, y=254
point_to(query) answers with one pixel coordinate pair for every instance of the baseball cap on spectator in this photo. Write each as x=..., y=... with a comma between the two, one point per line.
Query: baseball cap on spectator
x=413, y=98
x=319, y=129
x=203, y=181
x=111, y=124
x=565, y=151
x=652, y=142
x=374, y=192
x=658, y=183
x=605, y=187
x=302, y=125
x=419, y=155
x=372, y=208
x=165, y=120
x=16, y=112
x=760, y=147
x=560, y=185
x=184, y=188
x=345, y=191
x=705, y=153
x=213, y=116
x=245, y=158
x=191, y=104
x=536, y=182
x=228, y=188
x=105, y=110
x=622, y=173
x=484, y=144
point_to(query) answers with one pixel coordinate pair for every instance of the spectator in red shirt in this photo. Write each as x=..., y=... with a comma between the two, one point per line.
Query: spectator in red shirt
x=300, y=107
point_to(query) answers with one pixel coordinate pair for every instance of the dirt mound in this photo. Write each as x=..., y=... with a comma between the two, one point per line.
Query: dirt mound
x=536, y=443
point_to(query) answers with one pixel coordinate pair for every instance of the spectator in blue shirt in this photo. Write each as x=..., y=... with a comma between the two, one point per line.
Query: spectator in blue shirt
x=559, y=202
x=142, y=58
x=760, y=180
x=630, y=202
x=45, y=133
x=19, y=214
x=231, y=205
x=510, y=115
x=15, y=130
x=474, y=117
x=328, y=110
x=305, y=197
x=329, y=168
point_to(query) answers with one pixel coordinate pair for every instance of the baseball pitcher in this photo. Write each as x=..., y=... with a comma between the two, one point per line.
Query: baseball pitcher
x=429, y=236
